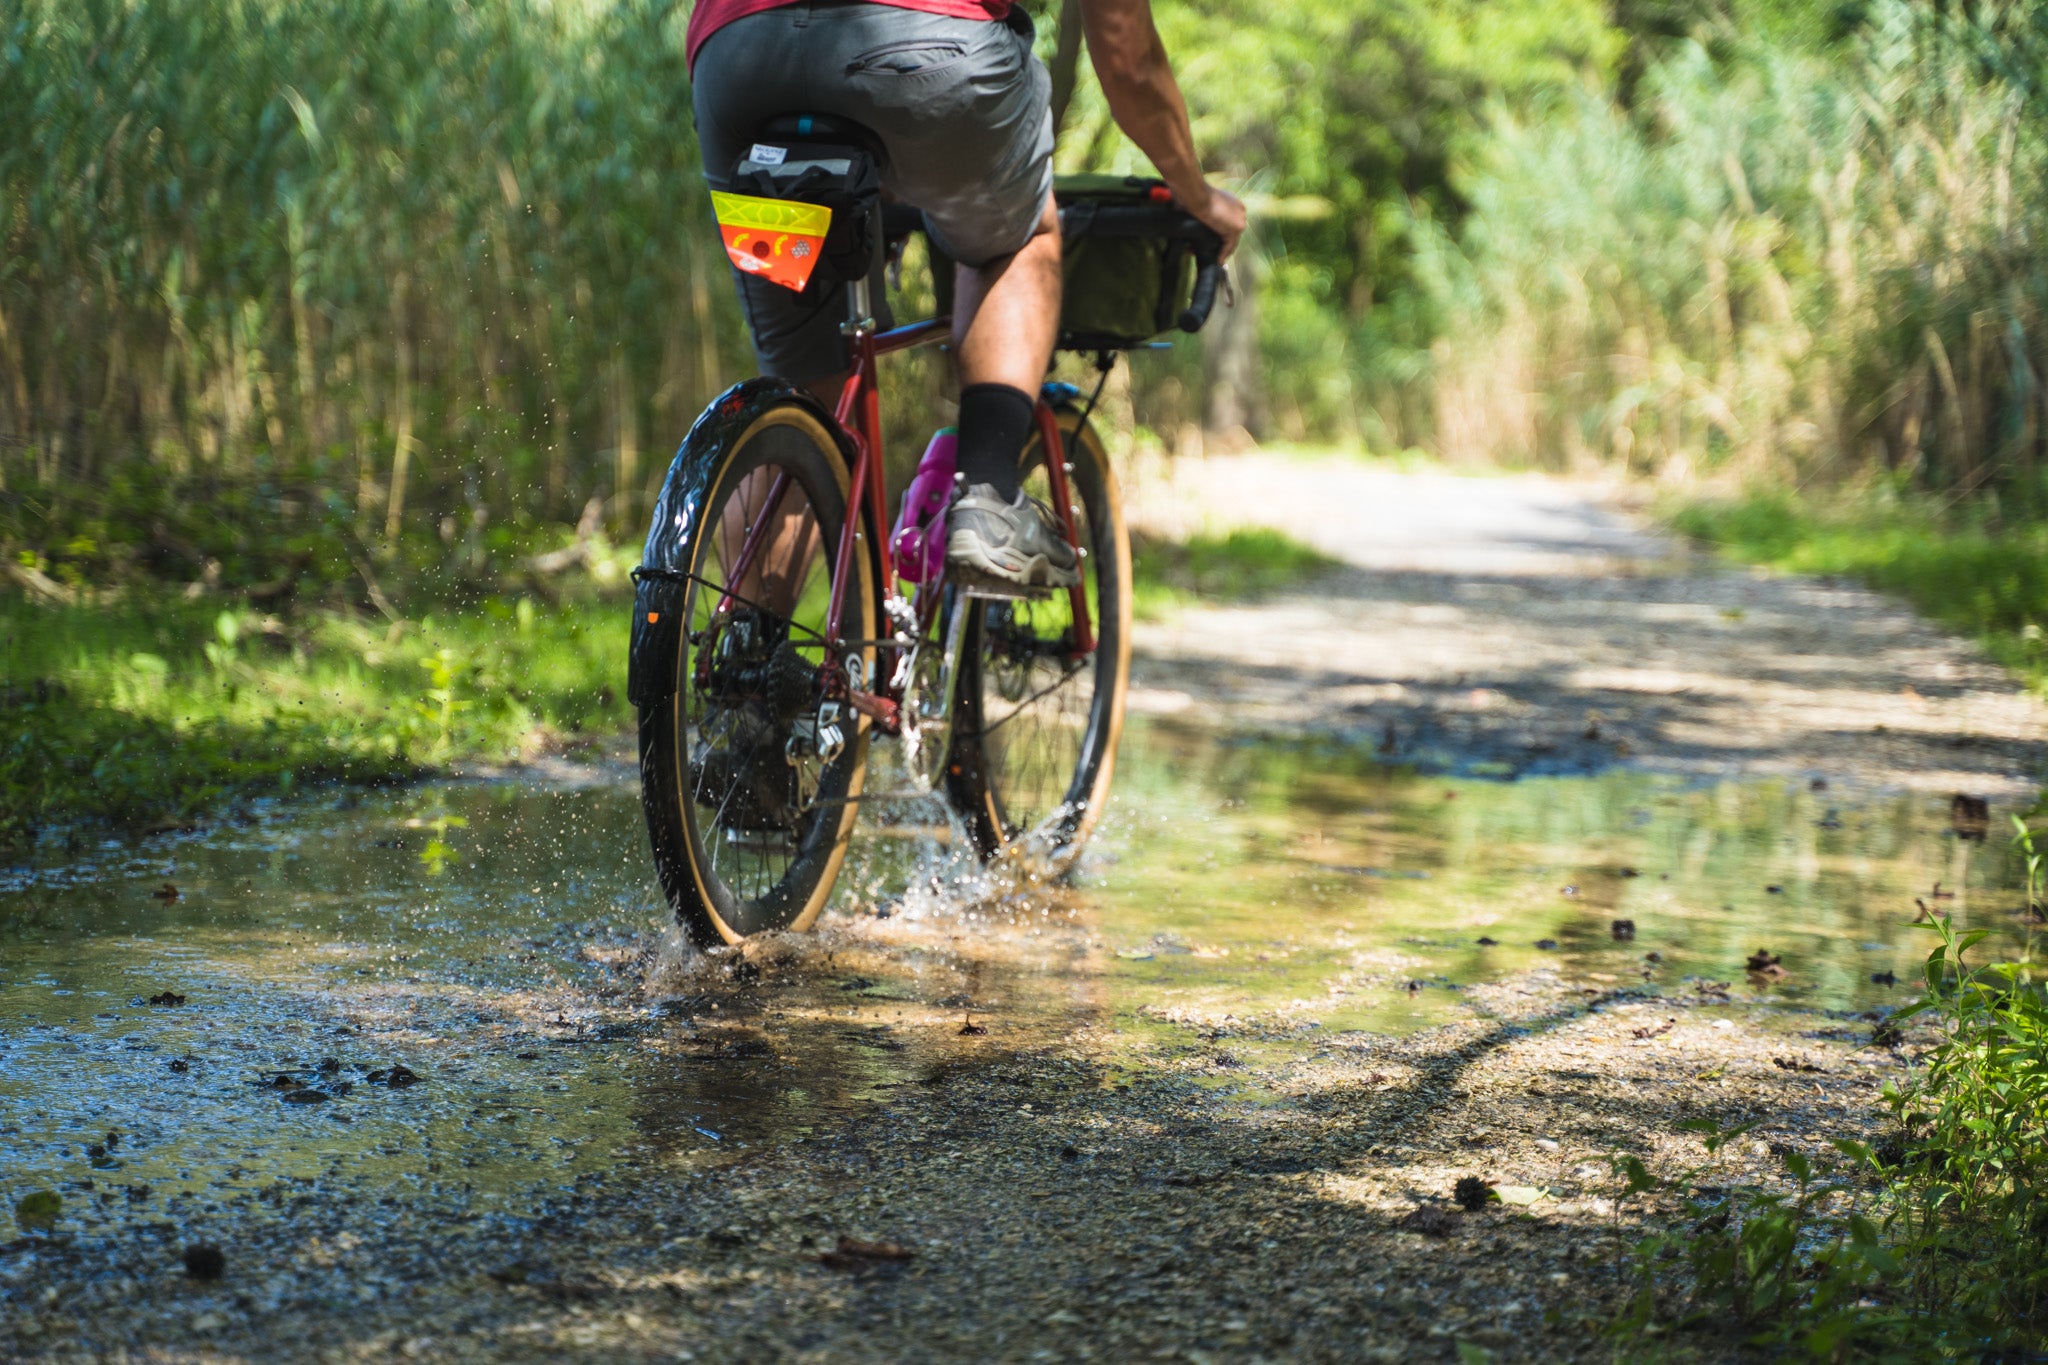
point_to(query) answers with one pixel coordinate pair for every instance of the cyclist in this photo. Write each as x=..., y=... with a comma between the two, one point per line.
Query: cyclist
x=962, y=108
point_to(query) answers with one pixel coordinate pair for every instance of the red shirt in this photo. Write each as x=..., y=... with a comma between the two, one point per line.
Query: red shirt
x=713, y=15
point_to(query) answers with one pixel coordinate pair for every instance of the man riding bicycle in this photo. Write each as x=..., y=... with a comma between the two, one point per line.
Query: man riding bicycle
x=962, y=109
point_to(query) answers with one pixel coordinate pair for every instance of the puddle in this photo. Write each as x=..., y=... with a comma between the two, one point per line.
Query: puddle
x=503, y=944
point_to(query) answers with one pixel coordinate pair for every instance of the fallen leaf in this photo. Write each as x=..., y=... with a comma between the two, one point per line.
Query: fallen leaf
x=854, y=1254
x=1431, y=1220
x=1523, y=1195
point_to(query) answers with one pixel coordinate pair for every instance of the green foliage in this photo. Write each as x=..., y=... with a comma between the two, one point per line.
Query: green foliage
x=1973, y=1168
x=149, y=711
x=1347, y=122
x=1785, y=260
x=1788, y=1270
x=1240, y=565
x=38, y=1212
x=414, y=260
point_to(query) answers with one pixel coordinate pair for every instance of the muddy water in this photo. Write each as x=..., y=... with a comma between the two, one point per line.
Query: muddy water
x=502, y=944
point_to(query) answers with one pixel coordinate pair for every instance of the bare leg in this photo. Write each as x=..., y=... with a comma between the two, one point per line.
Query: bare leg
x=775, y=578
x=1006, y=314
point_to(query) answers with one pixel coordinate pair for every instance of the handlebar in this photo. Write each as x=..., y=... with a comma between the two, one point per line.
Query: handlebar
x=1209, y=272
x=1158, y=220
x=1093, y=217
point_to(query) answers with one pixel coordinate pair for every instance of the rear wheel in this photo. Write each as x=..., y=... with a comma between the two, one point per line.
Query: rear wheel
x=745, y=791
x=1034, y=744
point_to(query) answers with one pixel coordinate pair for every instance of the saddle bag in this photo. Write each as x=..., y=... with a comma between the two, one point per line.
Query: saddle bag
x=768, y=231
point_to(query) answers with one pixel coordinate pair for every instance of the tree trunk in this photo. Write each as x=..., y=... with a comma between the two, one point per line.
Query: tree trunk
x=1236, y=406
x=1066, y=62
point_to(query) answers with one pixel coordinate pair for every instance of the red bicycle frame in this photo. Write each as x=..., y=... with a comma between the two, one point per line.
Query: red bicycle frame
x=859, y=414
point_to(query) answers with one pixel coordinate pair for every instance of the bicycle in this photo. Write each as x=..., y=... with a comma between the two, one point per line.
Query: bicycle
x=771, y=642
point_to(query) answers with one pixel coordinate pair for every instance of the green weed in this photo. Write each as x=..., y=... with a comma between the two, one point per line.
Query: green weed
x=1969, y=567
x=1240, y=565
x=145, y=711
x=1932, y=1244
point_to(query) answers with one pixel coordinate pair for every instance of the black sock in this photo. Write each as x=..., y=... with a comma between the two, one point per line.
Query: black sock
x=995, y=421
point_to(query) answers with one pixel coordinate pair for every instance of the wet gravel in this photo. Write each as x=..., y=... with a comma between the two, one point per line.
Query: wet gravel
x=1015, y=1203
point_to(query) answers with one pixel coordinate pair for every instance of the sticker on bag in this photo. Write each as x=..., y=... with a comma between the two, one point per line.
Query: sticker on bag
x=778, y=239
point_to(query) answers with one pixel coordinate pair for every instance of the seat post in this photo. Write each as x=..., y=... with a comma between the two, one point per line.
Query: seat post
x=860, y=315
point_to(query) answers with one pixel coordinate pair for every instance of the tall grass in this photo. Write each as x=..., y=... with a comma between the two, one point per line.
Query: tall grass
x=1776, y=264
x=399, y=261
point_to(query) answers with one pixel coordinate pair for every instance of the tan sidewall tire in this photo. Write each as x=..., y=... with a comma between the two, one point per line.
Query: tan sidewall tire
x=860, y=605
x=1119, y=544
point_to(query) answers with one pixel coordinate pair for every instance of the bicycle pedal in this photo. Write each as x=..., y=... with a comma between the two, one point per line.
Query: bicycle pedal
x=997, y=590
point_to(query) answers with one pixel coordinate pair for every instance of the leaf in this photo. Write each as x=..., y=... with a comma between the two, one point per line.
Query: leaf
x=1518, y=1194
x=38, y=1212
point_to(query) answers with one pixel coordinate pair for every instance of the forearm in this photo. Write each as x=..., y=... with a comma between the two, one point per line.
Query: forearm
x=1137, y=80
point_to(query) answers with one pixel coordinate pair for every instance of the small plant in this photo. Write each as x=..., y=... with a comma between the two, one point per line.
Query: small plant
x=223, y=652
x=440, y=703
x=1791, y=1271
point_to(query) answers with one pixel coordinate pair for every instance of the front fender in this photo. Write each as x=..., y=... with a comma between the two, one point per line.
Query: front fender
x=658, y=603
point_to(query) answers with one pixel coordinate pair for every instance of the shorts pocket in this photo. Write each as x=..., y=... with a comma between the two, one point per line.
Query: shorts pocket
x=911, y=57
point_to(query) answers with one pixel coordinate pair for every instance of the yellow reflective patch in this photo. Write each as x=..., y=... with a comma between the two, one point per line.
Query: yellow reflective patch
x=778, y=215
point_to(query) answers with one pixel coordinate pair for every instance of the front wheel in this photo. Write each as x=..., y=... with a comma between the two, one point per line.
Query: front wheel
x=748, y=774
x=1034, y=745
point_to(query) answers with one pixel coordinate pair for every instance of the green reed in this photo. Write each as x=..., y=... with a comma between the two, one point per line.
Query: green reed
x=1779, y=264
x=407, y=260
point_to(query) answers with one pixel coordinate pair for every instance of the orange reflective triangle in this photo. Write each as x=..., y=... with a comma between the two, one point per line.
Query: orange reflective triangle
x=777, y=239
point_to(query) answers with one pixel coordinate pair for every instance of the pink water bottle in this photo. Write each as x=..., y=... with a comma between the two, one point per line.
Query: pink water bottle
x=918, y=544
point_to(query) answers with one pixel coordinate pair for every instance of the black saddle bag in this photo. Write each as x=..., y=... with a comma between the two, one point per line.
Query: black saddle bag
x=841, y=177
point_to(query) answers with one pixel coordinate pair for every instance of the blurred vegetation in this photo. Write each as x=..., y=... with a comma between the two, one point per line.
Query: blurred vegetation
x=1240, y=565
x=1972, y=564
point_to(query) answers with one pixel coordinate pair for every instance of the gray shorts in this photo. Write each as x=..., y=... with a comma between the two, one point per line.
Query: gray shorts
x=963, y=110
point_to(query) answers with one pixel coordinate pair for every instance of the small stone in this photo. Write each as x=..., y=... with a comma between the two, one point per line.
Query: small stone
x=1623, y=929
x=307, y=1096
x=1546, y=944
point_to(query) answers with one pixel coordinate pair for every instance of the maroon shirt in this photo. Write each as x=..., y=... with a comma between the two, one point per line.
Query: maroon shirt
x=713, y=15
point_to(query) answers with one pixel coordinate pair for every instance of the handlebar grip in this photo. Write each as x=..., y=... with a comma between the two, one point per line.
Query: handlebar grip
x=1209, y=272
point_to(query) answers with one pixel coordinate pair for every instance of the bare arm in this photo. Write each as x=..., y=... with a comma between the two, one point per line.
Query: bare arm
x=1145, y=100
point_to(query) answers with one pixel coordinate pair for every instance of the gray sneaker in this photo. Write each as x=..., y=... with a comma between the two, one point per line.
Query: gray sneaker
x=1010, y=542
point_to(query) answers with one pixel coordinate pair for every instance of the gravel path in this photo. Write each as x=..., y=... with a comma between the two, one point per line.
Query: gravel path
x=1506, y=620
x=1045, y=1192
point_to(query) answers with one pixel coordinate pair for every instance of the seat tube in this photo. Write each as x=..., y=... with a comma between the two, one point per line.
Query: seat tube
x=1063, y=504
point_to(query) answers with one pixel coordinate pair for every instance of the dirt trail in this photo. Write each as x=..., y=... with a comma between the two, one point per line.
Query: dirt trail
x=1526, y=624
x=1055, y=1196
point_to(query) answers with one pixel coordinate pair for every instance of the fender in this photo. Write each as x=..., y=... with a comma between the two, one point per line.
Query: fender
x=662, y=578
